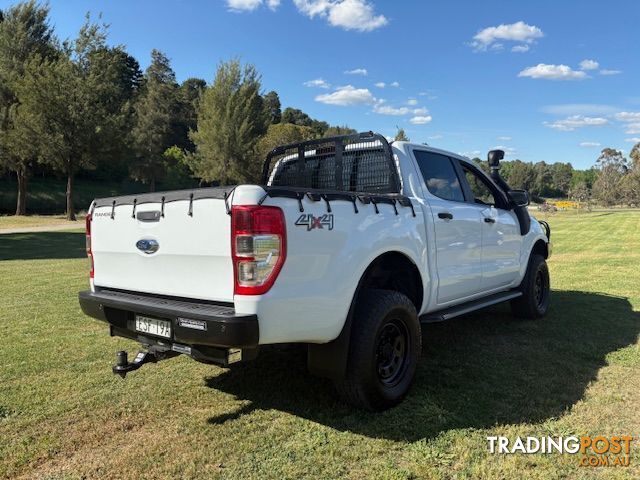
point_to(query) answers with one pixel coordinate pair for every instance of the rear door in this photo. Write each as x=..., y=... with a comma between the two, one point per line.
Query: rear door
x=457, y=227
x=501, y=239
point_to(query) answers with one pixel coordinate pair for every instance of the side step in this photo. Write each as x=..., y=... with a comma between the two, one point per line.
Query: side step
x=463, y=309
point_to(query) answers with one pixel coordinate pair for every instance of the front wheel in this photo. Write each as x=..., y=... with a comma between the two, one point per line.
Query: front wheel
x=384, y=351
x=536, y=290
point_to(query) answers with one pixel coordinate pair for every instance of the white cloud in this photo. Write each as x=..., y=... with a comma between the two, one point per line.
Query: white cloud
x=504, y=139
x=633, y=129
x=389, y=110
x=346, y=96
x=380, y=84
x=631, y=120
x=632, y=140
x=604, y=71
x=318, y=82
x=521, y=48
x=394, y=84
x=243, y=5
x=628, y=116
x=589, y=144
x=420, y=119
x=471, y=154
x=589, y=65
x=412, y=101
x=347, y=14
x=429, y=94
x=552, y=72
x=398, y=111
x=514, y=32
x=576, y=121
x=579, y=109
x=357, y=71
x=273, y=4
x=311, y=8
x=435, y=137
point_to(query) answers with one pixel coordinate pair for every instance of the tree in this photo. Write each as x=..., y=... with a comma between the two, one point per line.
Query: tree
x=612, y=166
x=188, y=98
x=561, y=175
x=155, y=113
x=231, y=120
x=25, y=37
x=298, y=117
x=588, y=177
x=630, y=183
x=521, y=175
x=282, y=134
x=337, y=131
x=272, y=104
x=635, y=156
x=123, y=83
x=541, y=179
x=70, y=107
x=401, y=136
x=580, y=193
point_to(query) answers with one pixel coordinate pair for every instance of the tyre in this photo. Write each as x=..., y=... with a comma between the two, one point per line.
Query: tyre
x=536, y=290
x=384, y=349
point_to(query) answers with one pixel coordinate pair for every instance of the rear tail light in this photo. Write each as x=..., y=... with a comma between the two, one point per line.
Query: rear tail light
x=258, y=247
x=88, y=237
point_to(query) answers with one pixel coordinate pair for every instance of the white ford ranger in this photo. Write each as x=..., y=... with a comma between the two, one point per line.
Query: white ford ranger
x=347, y=247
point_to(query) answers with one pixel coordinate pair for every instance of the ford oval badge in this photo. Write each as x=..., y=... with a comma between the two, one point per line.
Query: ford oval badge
x=148, y=245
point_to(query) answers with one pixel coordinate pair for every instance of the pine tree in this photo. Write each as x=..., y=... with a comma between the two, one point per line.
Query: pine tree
x=273, y=106
x=401, y=136
x=155, y=113
x=231, y=120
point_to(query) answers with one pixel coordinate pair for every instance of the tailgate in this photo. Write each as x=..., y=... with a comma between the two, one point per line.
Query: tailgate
x=193, y=256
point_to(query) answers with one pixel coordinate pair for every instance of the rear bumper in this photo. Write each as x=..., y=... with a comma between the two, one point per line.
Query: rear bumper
x=191, y=323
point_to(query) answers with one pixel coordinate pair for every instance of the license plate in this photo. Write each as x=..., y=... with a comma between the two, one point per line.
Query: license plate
x=153, y=326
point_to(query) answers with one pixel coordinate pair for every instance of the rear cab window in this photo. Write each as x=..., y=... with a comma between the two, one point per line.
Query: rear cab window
x=439, y=175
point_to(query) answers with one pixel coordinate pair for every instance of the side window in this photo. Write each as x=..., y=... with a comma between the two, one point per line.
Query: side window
x=439, y=175
x=482, y=194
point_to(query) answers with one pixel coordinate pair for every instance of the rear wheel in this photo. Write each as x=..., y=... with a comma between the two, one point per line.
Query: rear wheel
x=384, y=350
x=536, y=290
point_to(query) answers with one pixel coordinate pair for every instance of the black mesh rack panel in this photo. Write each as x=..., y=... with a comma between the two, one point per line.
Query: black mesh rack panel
x=360, y=163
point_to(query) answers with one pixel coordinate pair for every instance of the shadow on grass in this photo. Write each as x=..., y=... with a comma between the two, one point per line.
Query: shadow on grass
x=476, y=372
x=42, y=245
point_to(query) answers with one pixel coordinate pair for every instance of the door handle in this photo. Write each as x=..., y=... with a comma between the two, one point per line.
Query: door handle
x=445, y=215
x=489, y=220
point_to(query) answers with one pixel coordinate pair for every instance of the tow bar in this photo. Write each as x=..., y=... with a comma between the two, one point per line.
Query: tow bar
x=123, y=366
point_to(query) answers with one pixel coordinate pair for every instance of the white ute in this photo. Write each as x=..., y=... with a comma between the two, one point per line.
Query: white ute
x=347, y=247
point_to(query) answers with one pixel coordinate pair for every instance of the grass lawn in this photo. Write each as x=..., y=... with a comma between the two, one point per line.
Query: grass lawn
x=12, y=221
x=577, y=371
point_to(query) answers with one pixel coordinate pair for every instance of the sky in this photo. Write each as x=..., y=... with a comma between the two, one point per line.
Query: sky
x=543, y=80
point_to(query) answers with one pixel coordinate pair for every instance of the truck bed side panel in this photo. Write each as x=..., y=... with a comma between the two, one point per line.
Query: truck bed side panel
x=310, y=299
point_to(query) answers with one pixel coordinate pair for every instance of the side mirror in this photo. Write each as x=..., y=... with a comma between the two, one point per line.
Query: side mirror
x=519, y=197
x=494, y=157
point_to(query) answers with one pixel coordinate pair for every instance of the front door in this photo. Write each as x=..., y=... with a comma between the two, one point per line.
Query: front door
x=501, y=239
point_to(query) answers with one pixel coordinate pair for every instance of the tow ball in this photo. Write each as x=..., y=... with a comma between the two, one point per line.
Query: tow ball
x=123, y=366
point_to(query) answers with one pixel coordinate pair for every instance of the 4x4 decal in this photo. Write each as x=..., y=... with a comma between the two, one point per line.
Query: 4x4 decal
x=311, y=222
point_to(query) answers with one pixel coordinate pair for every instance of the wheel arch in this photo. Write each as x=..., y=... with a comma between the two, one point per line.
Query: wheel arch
x=540, y=247
x=391, y=270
